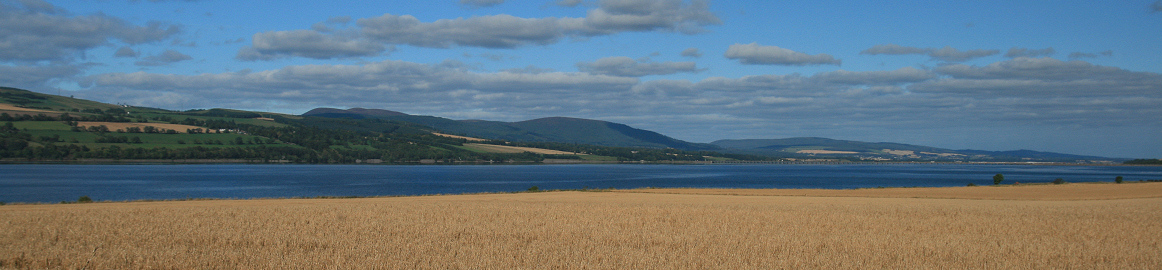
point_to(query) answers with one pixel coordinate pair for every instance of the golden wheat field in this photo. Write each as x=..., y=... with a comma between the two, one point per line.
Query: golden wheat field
x=122, y=126
x=594, y=230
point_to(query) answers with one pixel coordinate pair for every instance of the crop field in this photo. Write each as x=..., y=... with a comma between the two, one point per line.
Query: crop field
x=123, y=126
x=1075, y=191
x=492, y=148
x=471, y=139
x=14, y=109
x=604, y=230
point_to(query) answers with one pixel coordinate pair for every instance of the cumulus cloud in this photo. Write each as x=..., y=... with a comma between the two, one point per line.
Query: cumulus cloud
x=887, y=77
x=395, y=82
x=1044, y=77
x=1015, y=52
x=497, y=31
x=664, y=88
x=1044, y=69
x=373, y=35
x=614, y=16
x=165, y=58
x=326, y=26
x=480, y=3
x=38, y=31
x=36, y=76
x=567, y=3
x=755, y=54
x=125, y=51
x=309, y=44
x=947, y=54
x=692, y=52
x=1079, y=55
x=628, y=67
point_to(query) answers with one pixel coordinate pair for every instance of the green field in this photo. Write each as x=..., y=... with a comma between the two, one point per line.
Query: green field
x=149, y=140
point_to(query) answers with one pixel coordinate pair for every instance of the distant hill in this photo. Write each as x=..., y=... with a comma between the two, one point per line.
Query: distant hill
x=551, y=129
x=47, y=127
x=824, y=147
x=33, y=100
x=355, y=113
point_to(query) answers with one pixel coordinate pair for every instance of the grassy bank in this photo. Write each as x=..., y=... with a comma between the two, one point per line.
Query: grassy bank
x=599, y=230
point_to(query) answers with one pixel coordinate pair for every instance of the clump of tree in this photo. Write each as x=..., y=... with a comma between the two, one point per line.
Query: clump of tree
x=1144, y=162
x=1119, y=179
x=997, y=179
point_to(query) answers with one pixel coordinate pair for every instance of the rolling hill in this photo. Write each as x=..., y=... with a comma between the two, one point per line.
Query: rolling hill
x=37, y=127
x=57, y=127
x=550, y=129
x=816, y=147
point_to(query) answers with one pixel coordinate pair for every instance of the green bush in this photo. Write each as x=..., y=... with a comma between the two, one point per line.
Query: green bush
x=1058, y=181
x=534, y=189
x=1118, y=180
x=84, y=199
x=971, y=184
x=997, y=179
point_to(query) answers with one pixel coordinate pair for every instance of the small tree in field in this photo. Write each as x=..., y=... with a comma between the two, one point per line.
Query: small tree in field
x=1118, y=179
x=997, y=179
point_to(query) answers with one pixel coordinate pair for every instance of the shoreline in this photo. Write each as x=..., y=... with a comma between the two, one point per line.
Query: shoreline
x=510, y=162
x=1042, y=191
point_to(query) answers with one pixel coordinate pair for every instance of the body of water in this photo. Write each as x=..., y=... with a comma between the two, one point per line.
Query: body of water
x=55, y=183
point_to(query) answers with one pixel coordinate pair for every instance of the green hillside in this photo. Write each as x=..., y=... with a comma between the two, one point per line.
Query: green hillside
x=551, y=129
x=40, y=127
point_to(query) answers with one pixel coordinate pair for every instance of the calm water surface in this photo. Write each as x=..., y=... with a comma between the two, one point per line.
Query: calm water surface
x=54, y=183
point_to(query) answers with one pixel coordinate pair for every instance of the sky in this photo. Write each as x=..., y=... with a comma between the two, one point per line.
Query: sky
x=1077, y=77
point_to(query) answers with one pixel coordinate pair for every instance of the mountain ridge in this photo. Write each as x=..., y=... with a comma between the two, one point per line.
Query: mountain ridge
x=547, y=129
x=596, y=132
x=565, y=132
x=817, y=146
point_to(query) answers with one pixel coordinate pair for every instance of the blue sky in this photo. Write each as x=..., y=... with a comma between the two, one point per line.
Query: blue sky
x=1078, y=77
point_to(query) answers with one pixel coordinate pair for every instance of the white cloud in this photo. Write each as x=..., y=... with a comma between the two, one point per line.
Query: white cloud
x=628, y=67
x=38, y=31
x=1026, y=52
x=755, y=54
x=1079, y=55
x=480, y=3
x=36, y=76
x=125, y=51
x=307, y=43
x=947, y=54
x=165, y=58
x=899, y=76
x=373, y=35
x=567, y=3
x=692, y=52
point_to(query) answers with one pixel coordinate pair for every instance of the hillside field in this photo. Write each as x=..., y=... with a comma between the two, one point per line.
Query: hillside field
x=624, y=230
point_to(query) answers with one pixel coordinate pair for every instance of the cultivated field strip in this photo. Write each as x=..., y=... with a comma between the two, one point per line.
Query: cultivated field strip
x=586, y=230
x=1076, y=191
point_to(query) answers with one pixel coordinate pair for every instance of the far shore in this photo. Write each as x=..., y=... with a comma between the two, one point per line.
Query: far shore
x=104, y=161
